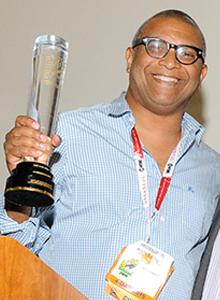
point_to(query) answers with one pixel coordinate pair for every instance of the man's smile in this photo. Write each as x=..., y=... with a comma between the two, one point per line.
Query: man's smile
x=166, y=79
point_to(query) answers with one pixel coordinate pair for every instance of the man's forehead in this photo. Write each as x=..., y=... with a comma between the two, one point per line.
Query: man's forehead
x=156, y=22
x=172, y=25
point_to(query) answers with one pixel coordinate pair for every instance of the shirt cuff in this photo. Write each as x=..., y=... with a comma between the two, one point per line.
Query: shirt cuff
x=32, y=233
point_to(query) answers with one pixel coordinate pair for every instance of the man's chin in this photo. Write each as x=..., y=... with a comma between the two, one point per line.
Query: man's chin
x=168, y=108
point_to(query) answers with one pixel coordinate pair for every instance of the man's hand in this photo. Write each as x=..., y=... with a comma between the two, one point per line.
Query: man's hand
x=25, y=140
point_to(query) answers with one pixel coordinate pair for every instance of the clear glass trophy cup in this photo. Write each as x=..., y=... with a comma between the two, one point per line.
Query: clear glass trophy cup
x=31, y=183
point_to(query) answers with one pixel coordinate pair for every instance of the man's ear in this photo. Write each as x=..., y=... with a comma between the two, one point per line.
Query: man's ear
x=203, y=72
x=129, y=55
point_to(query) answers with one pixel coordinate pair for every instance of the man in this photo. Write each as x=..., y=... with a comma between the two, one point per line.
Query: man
x=99, y=206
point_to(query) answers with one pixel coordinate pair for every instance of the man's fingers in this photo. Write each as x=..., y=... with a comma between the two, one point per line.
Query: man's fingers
x=21, y=132
x=55, y=140
x=21, y=151
x=26, y=140
x=26, y=121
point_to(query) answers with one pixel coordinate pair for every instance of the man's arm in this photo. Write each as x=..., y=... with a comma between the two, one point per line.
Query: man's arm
x=205, y=260
x=31, y=231
x=20, y=214
x=19, y=222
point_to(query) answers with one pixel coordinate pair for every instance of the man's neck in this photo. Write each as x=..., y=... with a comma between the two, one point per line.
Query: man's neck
x=159, y=133
x=159, y=124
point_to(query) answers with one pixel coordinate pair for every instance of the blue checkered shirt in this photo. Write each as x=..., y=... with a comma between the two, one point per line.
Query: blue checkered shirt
x=99, y=210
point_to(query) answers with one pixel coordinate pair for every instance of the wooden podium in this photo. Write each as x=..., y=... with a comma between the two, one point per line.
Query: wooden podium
x=23, y=276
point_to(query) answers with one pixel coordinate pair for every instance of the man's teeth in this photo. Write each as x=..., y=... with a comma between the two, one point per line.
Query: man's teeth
x=165, y=78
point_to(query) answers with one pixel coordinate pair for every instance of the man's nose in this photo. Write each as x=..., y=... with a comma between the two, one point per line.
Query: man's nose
x=169, y=60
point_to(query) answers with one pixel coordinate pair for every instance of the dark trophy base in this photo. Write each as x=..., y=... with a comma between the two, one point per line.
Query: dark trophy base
x=30, y=185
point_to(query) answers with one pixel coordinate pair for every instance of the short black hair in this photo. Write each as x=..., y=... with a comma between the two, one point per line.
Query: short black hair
x=172, y=13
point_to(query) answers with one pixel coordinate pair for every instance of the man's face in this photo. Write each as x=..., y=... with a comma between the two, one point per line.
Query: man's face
x=164, y=85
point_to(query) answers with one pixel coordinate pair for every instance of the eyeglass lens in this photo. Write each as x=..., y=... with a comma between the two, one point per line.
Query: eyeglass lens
x=158, y=48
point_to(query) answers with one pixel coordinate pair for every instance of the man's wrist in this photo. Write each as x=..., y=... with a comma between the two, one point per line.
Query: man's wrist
x=17, y=212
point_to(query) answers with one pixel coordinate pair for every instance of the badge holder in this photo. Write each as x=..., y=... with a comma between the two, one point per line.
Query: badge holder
x=139, y=272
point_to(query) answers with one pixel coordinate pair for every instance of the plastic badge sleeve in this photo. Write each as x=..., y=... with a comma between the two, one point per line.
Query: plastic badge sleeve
x=139, y=272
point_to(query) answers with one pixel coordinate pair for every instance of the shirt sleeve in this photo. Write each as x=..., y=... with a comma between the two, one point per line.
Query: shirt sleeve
x=32, y=233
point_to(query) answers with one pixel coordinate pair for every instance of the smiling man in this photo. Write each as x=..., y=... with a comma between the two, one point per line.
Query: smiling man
x=103, y=201
x=166, y=66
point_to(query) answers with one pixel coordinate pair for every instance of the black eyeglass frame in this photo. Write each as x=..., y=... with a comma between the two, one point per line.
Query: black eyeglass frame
x=144, y=41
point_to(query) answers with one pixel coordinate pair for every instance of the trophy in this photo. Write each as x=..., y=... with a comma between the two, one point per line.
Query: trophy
x=31, y=182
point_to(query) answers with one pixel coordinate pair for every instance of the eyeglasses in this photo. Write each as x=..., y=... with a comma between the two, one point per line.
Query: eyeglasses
x=158, y=48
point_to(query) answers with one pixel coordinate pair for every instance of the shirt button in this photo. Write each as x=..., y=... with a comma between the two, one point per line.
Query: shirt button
x=162, y=219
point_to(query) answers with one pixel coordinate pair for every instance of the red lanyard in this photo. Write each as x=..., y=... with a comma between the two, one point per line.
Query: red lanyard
x=142, y=174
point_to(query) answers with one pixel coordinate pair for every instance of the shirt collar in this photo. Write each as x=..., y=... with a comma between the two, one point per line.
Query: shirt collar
x=119, y=106
x=190, y=126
